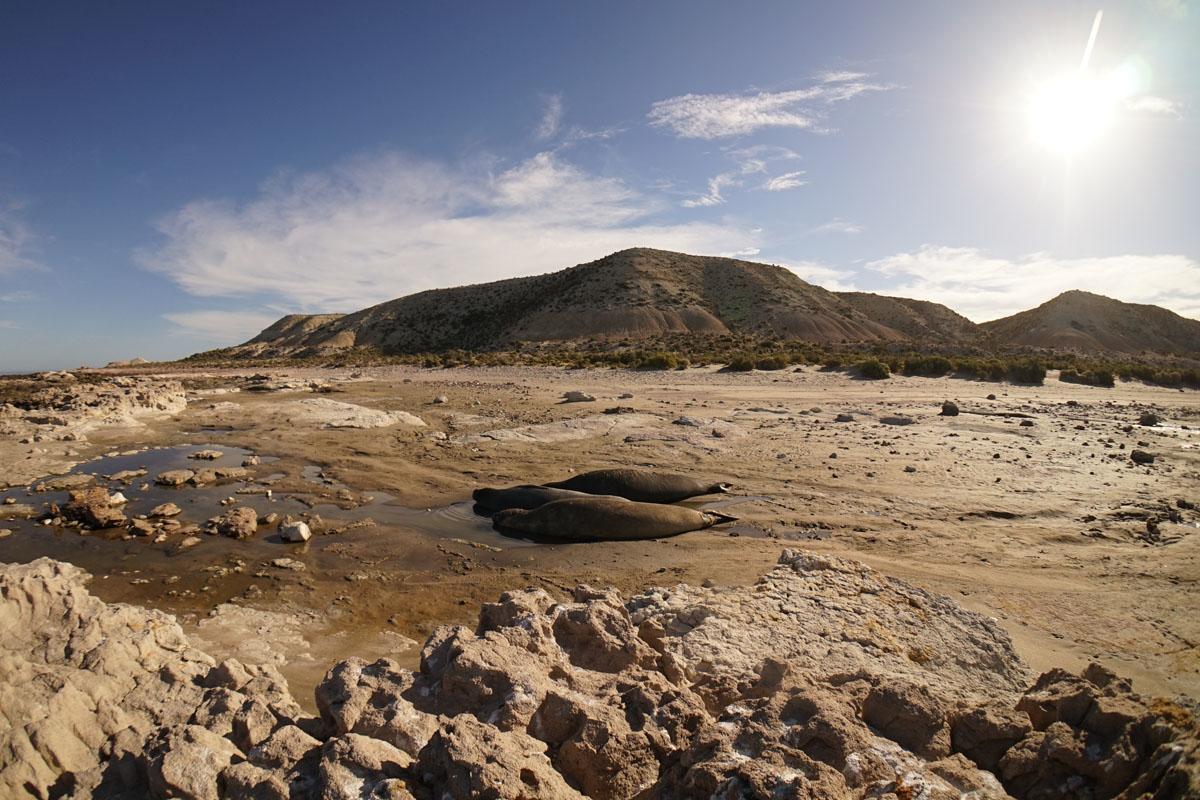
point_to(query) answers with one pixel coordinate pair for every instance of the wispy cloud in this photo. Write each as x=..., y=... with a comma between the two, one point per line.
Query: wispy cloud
x=552, y=116
x=1176, y=9
x=981, y=286
x=220, y=326
x=375, y=228
x=9, y=324
x=713, y=196
x=836, y=225
x=1152, y=104
x=750, y=161
x=714, y=116
x=17, y=240
x=16, y=297
x=788, y=180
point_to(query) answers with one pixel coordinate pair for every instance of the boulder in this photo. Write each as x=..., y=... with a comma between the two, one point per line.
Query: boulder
x=93, y=507
x=238, y=523
x=949, y=409
x=174, y=477
x=294, y=531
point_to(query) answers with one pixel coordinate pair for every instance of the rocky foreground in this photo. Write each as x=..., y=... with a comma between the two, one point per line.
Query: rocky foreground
x=824, y=679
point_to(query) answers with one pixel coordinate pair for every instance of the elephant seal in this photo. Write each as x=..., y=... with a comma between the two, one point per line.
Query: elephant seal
x=640, y=485
x=526, y=496
x=605, y=518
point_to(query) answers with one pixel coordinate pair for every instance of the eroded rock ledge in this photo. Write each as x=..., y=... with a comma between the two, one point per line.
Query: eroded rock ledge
x=823, y=680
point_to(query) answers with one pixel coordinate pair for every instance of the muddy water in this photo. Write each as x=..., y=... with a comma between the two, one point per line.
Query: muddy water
x=369, y=579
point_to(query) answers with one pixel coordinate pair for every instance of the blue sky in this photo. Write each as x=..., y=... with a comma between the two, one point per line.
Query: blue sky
x=173, y=176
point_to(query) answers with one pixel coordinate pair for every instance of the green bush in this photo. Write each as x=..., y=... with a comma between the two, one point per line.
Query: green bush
x=771, y=362
x=740, y=363
x=1027, y=372
x=930, y=366
x=831, y=363
x=874, y=369
x=1095, y=377
x=659, y=360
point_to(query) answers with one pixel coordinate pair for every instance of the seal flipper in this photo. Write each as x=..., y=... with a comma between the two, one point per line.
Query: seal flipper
x=719, y=518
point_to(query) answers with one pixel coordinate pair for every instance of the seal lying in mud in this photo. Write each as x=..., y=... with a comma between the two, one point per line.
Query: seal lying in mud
x=641, y=485
x=606, y=518
x=525, y=496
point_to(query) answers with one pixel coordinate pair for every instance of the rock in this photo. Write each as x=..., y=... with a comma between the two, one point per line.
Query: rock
x=294, y=531
x=93, y=507
x=206, y=455
x=15, y=510
x=574, y=396
x=823, y=679
x=244, y=781
x=284, y=748
x=844, y=417
x=251, y=461
x=289, y=564
x=1141, y=457
x=174, y=477
x=441, y=399
x=5, y=533
x=184, y=762
x=238, y=523
x=333, y=414
x=1149, y=419
x=165, y=510
x=949, y=409
x=467, y=758
x=188, y=542
x=118, y=499
x=353, y=767
x=1026, y=423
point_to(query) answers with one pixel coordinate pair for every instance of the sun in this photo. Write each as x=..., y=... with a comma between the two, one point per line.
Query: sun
x=1070, y=114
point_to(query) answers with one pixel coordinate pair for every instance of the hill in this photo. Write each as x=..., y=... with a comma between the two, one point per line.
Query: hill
x=1091, y=323
x=919, y=320
x=632, y=294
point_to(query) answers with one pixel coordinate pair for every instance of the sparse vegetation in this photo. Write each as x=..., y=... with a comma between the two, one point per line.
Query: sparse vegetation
x=873, y=369
x=1095, y=377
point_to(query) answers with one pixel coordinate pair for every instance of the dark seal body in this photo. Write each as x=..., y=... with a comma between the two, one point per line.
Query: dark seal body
x=526, y=496
x=606, y=518
x=641, y=485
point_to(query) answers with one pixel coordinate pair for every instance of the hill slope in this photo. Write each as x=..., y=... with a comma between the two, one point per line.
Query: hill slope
x=1088, y=322
x=638, y=293
x=919, y=320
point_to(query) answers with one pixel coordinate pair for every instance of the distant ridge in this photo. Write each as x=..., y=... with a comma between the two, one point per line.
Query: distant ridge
x=643, y=294
x=1091, y=323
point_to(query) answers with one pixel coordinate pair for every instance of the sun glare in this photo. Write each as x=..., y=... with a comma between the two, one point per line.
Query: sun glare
x=1070, y=114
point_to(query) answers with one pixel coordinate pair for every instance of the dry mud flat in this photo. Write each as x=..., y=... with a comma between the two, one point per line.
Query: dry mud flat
x=1026, y=508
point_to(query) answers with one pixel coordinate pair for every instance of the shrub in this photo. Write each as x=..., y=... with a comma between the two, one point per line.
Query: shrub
x=771, y=362
x=1095, y=377
x=874, y=369
x=659, y=360
x=932, y=366
x=740, y=363
x=831, y=363
x=1028, y=372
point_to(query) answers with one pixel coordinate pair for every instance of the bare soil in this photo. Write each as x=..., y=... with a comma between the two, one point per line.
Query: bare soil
x=1050, y=528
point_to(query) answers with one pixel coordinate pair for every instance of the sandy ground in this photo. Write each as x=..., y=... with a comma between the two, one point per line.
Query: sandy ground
x=1043, y=527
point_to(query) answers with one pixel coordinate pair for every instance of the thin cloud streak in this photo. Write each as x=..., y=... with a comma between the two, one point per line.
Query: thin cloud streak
x=552, y=116
x=17, y=240
x=715, y=116
x=786, y=181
